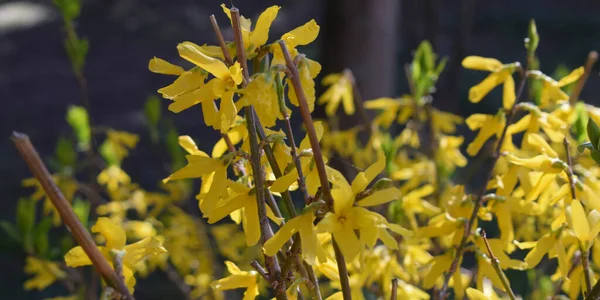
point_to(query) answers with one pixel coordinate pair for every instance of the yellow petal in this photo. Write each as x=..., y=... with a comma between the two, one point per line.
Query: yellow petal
x=197, y=166
x=305, y=144
x=112, y=232
x=260, y=34
x=380, y=197
x=192, y=53
x=76, y=257
x=204, y=94
x=540, y=163
x=477, y=92
x=578, y=221
x=302, y=35
x=543, y=245
x=343, y=198
x=362, y=179
x=228, y=111
x=139, y=250
x=508, y=93
x=186, y=142
x=236, y=134
x=251, y=224
x=474, y=294
x=348, y=242
x=186, y=82
x=282, y=183
x=481, y=63
x=162, y=66
x=572, y=77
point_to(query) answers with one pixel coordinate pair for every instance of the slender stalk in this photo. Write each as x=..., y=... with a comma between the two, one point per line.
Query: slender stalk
x=239, y=42
x=343, y=270
x=394, y=295
x=498, y=269
x=308, y=122
x=585, y=263
x=318, y=157
x=217, y=29
x=589, y=63
x=81, y=235
x=261, y=271
x=480, y=199
x=574, y=264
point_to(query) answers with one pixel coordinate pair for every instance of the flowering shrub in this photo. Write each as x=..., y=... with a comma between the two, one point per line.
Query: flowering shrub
x=287, y=224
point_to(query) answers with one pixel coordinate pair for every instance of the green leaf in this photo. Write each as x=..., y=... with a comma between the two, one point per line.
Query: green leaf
x=581, y=120
x=26, y=221
x=82, y=210
x=172, y=145
x=152, y=110
x=78, y=118
x=593, y=133
x=11, y=230
x=596, y=156
x=70, y=9
x=533, y=39
x=107, y=151
x=65, y=152
x=41, y=237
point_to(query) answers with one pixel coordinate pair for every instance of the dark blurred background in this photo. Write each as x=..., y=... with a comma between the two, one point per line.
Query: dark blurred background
x=373, y=38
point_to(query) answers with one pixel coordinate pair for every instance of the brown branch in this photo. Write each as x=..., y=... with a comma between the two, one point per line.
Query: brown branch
x=260, y=270
x=589, y=64
x=343, y=271
x=217, y=29
x=308, y=122
x=498, y=269
x=81, y=235
x=394, y=295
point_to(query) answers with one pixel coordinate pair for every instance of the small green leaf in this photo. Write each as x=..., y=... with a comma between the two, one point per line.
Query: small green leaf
x=581, y=120
x=78, y=118
x=596, y=156
x=152, y=110
x=533, y=39
x=26, y=221
x=172, y=145
x=107, y=151
x=41, y=237
x=593, y=133
x=70, y=9
x=11, y=230
x=65, y=152
x=82, y=210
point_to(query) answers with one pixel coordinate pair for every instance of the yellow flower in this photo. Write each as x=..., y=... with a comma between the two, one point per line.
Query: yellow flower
x=585, y=228
x=500, y=74
x=340, y=91
x=116, y=241
x=541, y=163
x=548, y=243
x=45, y=273
x=222, y=86
x=551, y=89
x=212, y=171
x=346, y=218
x=308, y=69
x=161, y=66
x=120, y=142
x=262, y=93
x=244, y=198
x=538, y=120
x=112, y=177
x=392, y=109
x=238, y=279
x=311, y=249
x=488, y=125
x=253, y=39
x=448, y=153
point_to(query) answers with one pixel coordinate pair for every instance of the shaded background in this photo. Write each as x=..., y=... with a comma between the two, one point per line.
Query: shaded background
x=373, y=38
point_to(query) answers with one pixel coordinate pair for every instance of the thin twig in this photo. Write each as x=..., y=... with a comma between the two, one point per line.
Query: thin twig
x=574, y=264
x=319, y=161
x=394, y=295
x=217, y=29
x=261, y=271
x=81, y=235
x=589, y=64
x=308, y=122
x=498, y=269
x=179, y=282
x=239, y=42
x=359, y=102
x=480, y=199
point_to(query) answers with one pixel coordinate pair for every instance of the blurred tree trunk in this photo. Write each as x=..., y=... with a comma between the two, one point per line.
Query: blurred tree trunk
x=363, y=35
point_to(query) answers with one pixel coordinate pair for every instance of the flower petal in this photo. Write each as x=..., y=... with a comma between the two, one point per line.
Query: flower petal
x=481, y=63
x=192, y=53
x=112, y=232
x=158, y=65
